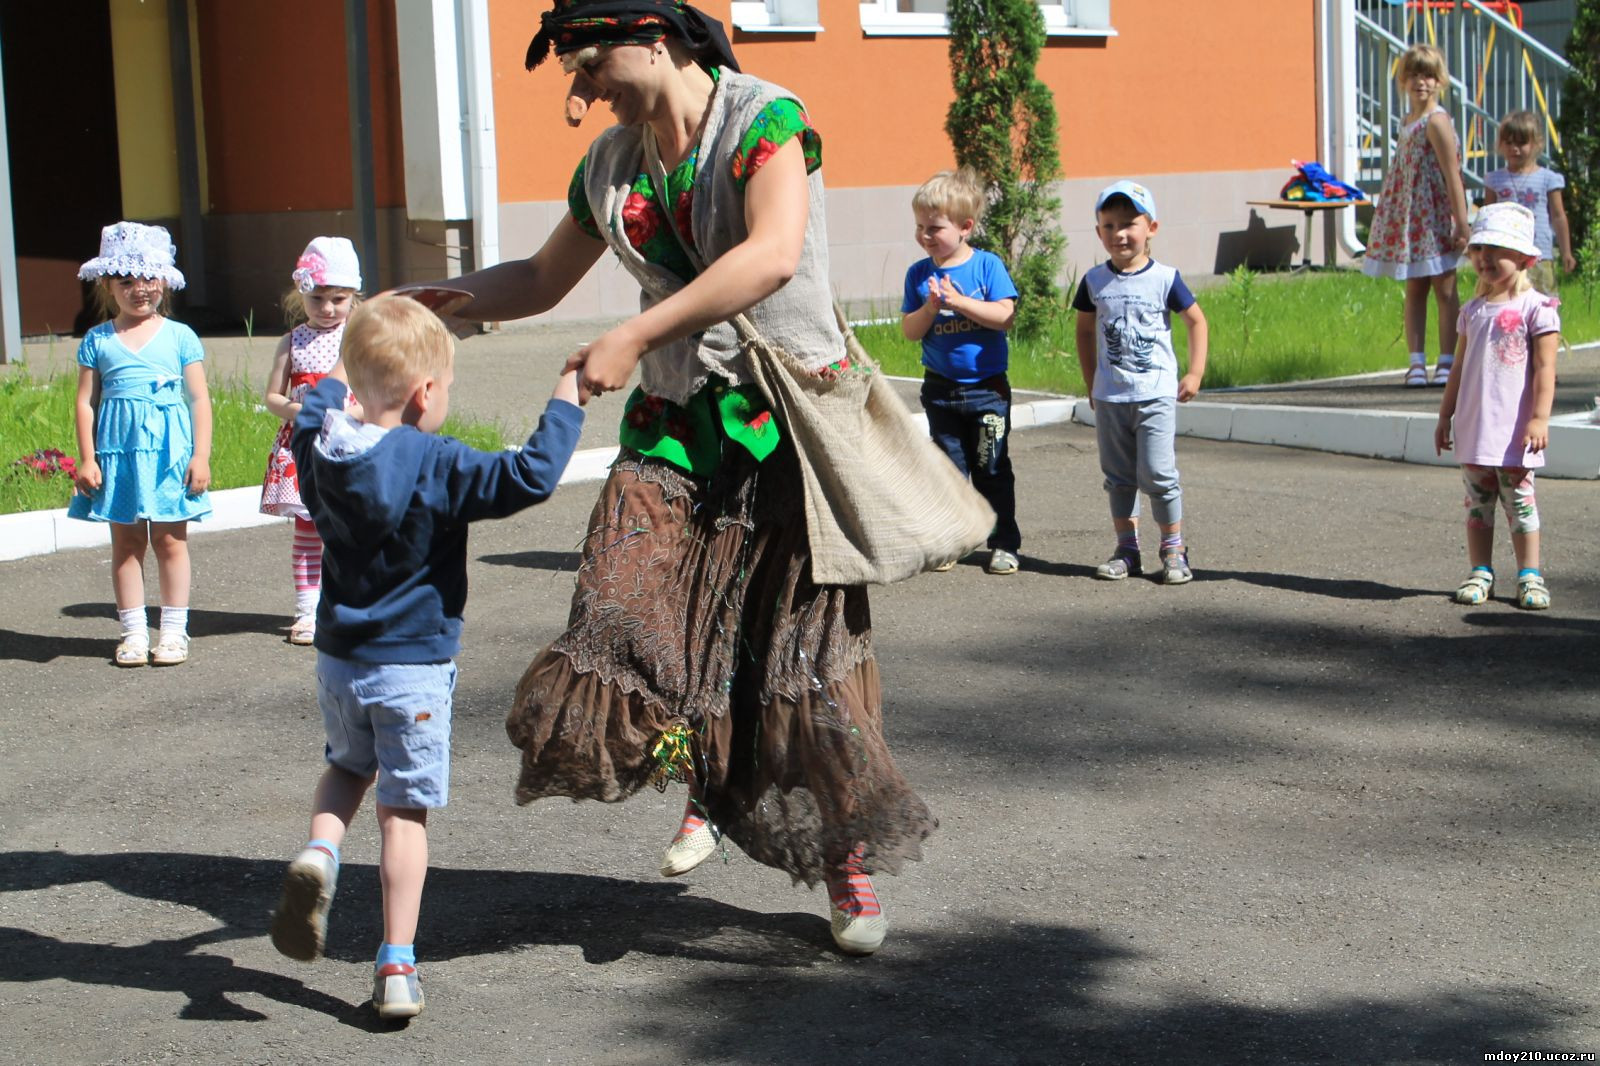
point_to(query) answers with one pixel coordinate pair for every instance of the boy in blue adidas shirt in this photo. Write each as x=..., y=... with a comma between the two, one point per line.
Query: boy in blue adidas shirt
x=959, y=302
x=392, y=502
x=1124, y=335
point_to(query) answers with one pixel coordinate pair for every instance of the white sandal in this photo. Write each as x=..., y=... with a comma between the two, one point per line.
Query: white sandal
x=1476, y=589
x=1417, y=376
x=134, y=650
x=171, y=649
x=304, y=630
x=1441, y=370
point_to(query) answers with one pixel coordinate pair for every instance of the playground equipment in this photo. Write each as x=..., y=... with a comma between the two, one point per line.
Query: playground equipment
x=1495, y=65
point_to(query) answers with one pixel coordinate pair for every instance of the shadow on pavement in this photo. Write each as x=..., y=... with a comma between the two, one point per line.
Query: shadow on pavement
x=202, y=622
x=537, y=560
x=48, y=647
x=978, y=992
x=1337, y=588
x=165, y=966
x=1024, y=994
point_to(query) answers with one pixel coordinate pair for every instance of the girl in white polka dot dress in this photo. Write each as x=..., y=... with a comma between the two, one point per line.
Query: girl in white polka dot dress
x=327, y=284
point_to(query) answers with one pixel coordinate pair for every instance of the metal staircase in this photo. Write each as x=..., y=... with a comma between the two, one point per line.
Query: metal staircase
x=1495, y=67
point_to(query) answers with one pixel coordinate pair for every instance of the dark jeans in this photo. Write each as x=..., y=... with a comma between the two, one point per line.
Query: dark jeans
x=972, y=424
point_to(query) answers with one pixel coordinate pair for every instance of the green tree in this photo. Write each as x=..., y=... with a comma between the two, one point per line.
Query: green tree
x=1579, y=124
x=1003, y=125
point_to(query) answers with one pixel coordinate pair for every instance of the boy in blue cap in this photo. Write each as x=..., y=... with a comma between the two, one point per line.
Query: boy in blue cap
x=1124, y=335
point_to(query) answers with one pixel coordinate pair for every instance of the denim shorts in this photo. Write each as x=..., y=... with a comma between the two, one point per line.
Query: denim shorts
x=391, y=719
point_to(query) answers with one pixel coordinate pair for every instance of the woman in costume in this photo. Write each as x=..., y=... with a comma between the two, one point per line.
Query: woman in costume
x=698, y=648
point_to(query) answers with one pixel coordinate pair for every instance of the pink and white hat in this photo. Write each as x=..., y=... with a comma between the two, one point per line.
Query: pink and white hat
x=328, y=262
x=1505, y=225
x=134, y=250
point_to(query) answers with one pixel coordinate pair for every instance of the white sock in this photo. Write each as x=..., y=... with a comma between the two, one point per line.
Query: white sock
x=1419, y=358
x=1446, y=358
x=305, y=602
x=133, y=622
x=174, y=620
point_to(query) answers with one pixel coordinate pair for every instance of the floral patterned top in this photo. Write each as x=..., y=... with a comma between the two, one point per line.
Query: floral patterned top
x=690, y=436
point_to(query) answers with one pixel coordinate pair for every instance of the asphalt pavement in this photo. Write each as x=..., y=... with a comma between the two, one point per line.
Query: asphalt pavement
x=1302, y=810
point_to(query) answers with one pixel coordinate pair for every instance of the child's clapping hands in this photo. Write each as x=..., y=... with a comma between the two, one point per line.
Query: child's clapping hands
x=941, y=290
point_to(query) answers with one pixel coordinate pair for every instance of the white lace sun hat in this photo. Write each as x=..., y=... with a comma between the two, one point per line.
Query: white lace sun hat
x=329, y=262
x=1505, y=225
x=134, y=250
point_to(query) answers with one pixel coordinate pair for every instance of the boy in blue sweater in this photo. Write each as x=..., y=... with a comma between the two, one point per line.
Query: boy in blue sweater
x=391, y=502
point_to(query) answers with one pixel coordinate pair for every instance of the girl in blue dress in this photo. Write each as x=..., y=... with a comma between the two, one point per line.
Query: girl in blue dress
x=144, y=434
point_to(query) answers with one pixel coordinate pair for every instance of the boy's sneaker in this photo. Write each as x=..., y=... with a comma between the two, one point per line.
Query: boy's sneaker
x=1002, y=562
x=1175, y=567
x=1120, y=565
x=300, y=924
x=396, y=991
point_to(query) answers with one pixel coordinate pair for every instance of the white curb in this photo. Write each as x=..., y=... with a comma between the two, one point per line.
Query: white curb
x=1396, y=435
x=1400, y=436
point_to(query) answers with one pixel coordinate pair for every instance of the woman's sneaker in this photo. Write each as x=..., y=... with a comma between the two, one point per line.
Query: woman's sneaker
x=1175, y=567
x=300, y=924
x=396, y=991
x=854, y=912
x=695, y=842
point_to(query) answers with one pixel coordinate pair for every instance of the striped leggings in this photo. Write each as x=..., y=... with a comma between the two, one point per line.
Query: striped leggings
x=305, y=557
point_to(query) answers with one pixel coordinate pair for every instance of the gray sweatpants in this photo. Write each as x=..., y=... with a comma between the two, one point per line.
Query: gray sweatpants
x=1137, y=454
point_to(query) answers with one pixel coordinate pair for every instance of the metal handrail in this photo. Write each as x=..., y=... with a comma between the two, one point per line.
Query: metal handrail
x=1524, y=38
x=1507, y=74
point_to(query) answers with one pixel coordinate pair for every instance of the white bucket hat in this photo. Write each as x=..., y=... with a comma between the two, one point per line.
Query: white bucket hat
x=1505, y=225
x=134, y=250
x=330, y=262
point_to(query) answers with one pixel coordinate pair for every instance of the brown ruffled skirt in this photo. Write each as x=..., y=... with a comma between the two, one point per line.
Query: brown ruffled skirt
x=695, y=615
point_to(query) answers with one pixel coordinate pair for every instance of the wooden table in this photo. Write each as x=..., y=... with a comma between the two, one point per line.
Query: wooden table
x=1310, y=207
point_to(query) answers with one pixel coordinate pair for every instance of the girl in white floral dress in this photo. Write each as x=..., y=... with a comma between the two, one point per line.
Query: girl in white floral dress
x=1420, y=225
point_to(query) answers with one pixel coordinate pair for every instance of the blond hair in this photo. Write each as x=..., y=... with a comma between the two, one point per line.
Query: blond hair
x=105, y=304
x=1426, y=60
x=1521, y=284
x=1521, y=127
x=293, y=303
x=958, y=195
x=392, y=343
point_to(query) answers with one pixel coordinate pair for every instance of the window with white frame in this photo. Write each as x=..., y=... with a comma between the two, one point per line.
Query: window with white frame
x=929, y=18
x=776, y=16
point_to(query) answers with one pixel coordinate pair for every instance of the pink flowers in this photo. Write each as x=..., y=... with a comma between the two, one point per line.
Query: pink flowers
x=47, y=462
x=1509, y=320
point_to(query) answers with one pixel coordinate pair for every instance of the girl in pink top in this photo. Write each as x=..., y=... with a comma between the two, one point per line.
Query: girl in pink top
x=1498, y=400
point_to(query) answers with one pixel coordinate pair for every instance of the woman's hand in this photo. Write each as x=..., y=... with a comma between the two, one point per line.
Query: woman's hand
x=87, y=479
x=1441, y=435
x=607, y=363
x=443, y=301
x=198, y=477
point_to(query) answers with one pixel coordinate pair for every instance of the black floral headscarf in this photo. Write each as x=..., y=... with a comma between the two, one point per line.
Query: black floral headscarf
x=576, y=24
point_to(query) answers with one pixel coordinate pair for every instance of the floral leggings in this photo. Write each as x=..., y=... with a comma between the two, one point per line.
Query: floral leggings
x=1510, y=485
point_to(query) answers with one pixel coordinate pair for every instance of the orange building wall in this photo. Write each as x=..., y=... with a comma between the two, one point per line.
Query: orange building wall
x=273, y=80
x=1226, y=85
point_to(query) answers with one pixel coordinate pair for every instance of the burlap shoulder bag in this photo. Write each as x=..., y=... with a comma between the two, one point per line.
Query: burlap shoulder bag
x=882, y=502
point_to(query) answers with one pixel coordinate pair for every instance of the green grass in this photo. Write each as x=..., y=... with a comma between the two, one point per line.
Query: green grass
x=37, y=413
x=1264, y=329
